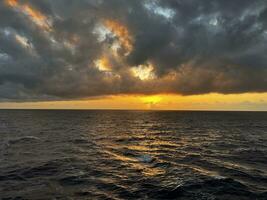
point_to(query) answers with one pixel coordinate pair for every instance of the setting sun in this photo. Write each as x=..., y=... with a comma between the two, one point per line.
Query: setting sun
x=151, y=100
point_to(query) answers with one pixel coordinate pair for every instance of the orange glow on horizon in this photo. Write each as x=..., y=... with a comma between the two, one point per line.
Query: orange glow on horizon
x=213, y=101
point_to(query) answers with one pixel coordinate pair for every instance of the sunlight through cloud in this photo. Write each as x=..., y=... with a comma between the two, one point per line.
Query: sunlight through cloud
x=144, y=72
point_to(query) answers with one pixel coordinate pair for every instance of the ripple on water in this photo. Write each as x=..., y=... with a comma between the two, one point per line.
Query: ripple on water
x=133, y=155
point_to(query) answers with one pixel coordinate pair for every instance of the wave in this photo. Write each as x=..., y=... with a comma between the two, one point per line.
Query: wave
x=23, y=139
x=216, y=188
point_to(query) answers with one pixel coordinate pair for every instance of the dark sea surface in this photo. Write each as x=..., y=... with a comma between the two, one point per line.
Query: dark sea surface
x=133, y=155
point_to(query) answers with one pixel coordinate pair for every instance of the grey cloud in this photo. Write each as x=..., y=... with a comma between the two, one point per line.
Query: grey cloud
x=205, y=46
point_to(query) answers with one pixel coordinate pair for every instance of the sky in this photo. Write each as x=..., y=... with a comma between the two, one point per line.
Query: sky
x=143, y=54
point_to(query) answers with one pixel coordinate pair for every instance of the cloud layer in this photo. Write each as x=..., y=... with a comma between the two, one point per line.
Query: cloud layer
x=66, y=49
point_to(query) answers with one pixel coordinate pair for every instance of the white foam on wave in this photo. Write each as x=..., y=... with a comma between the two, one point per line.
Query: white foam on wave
x=145, y=158
x=24, y=138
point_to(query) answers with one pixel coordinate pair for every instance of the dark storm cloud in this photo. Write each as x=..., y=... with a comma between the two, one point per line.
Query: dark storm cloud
x=49, y=49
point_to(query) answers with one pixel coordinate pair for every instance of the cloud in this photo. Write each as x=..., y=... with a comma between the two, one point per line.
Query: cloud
x=86, y=48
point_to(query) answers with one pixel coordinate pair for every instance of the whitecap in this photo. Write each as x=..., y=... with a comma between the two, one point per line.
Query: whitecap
x=145, y=158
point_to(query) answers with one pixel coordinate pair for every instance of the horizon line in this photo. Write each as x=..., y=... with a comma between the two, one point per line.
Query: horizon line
x=118, y=109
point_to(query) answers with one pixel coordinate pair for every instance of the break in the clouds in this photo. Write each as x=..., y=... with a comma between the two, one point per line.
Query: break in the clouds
x=68, y=49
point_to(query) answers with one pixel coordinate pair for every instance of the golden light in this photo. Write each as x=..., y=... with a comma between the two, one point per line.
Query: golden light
x=22, y=40
x=103, y=64
x=143, y=72
x=37, y=17
x=122, y=33
x=151, y=100
x=257, y=101
x=12, y=2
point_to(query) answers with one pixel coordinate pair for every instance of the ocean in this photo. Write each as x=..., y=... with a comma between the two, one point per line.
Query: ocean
x=117, y=155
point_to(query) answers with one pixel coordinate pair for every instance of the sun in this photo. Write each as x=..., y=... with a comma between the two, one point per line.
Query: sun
x=151, y=100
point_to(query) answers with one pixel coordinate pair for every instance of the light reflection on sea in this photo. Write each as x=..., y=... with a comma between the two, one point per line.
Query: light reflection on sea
x=132, y=155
